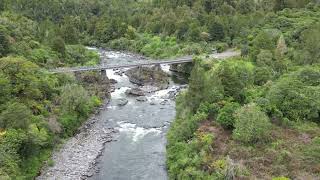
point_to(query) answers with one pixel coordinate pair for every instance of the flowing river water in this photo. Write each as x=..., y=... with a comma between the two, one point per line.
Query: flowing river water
x=121, y=142
x=138, y=151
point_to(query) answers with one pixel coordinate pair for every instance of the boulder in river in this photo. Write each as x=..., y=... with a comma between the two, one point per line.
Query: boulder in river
x=113, y=81
x=122, y=102
x=170, y=95
x=119, y=72
x=153, y=101
x=152, y=76
x=142, y=99
x=165, y=102
x=135, y=92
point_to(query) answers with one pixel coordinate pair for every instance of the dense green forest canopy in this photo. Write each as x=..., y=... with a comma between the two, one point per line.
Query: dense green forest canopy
x=255, y=105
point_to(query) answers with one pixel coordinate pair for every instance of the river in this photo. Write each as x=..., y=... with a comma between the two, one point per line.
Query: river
x=139, y=150
x=121, y=142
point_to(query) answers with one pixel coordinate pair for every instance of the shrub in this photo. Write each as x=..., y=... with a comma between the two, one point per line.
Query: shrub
x=226, y=114
x=120, y=44
x=74, y=98
x=16, y=115
x=235, y=76
x=251, y=125
x=295, y=100
x=183, y=129
x=311, y=153
x=210, y=109
x=79, y=55
x=221, y=47
x=96, y=101
x=58, y=45
x=70, y=123
x=43, y=57
x=262, y=75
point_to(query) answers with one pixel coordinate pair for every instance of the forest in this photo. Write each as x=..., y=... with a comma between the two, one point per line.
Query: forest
x=251, y=117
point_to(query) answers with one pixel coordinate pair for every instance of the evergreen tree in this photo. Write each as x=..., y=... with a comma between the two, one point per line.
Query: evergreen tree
x=58, y=45
x=195, y=93
x=216, y=31
x=4, y=42
x=279, y=5
x=245, y=6
x=2, y=5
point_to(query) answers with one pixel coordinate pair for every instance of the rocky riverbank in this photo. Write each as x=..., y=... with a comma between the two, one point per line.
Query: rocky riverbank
x=77, y=158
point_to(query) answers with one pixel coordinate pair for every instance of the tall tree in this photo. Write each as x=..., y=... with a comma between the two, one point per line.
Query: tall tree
x=197, y=85
x=4, y=42
x=216, y=31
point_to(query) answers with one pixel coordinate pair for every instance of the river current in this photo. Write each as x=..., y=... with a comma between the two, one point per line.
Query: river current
x=138, y=149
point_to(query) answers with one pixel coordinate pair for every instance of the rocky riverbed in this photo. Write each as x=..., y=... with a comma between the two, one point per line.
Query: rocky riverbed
x=77, y=158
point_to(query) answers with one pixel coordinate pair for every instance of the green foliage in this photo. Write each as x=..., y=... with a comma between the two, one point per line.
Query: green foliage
x=38, y=135
x=203, y=87
x=16, y=116
x=74, y=98
x=210, y=109
x=226, y=115
x=216, y=31
x=26, y=79
x=262, y=75
x=294, y=99
x=69, y=122
x=185, y=159
x=58, y=45
x=183, y=129
x=235, y=76
x=312, y=151
x=5, y=88
x=280, y=178
x=96, y=101
x=251, y=125
x=274, y=35
x=79, y=55
x=197, y=86
x=245, y=6
x=309, y=53
x=10, y=144
x=4, y=42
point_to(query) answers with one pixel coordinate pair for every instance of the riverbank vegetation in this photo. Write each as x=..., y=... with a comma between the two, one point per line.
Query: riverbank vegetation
x=255, y=116
x=39, y=109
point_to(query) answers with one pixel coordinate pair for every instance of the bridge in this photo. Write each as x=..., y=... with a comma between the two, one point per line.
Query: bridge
x=186, y=59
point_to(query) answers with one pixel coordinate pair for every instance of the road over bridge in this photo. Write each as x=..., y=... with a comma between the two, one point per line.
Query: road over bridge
x=186, y=59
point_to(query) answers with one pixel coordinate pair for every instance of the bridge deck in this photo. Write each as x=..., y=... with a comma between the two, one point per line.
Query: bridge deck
x=99, y=68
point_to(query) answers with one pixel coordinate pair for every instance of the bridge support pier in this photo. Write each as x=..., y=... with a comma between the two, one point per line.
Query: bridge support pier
x=103, y=72
x=157, y=67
